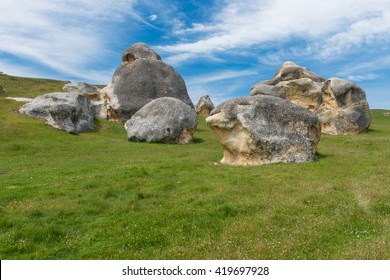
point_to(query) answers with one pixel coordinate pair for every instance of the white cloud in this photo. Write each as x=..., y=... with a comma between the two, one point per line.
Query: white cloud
x=196, y=28
x=65, y=35
x=272, y=59
x=219, y=85
x=328, y=27
x=218, y=93
x=18, y=70
x=153, y=17
x=182, y=57
x=354, y=68
x=220, y=76
x=366, y=77
x=362, y=33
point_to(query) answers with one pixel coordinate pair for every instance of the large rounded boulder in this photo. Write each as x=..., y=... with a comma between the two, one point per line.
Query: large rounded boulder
x=264, y=129
x=165, y=119
x=344, y=109
x=71, y=112
x=141, y=78
x=340, y=105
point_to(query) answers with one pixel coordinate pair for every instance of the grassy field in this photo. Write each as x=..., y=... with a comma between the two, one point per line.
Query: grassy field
x=98, y=196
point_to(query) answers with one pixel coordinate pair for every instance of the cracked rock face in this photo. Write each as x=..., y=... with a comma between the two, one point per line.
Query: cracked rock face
x=264, y=129
x=340, y=105
x=165, y=119
x=71, y=112
x=141, y=78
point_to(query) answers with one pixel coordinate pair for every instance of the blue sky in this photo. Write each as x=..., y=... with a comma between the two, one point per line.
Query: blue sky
x=221, y=47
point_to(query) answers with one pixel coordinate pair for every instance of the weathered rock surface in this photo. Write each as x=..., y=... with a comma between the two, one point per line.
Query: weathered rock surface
x=91, y=91
x=139, y=51
x=165, y=119
x=340, y=105
x=204, y=106
x=80, y=87
x=141, y=78
x=265, y=129
x=344, y=108
x=71, y=112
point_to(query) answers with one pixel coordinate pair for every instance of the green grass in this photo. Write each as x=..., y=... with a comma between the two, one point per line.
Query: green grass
x=97, y=196
x=12, y=86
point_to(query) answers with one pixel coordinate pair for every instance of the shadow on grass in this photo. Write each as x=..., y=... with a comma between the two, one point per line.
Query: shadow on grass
x=324, y=156
x=197, y=140
x=370, y=130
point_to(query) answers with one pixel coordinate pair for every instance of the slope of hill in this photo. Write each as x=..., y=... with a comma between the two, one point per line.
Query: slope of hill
x=27, y=87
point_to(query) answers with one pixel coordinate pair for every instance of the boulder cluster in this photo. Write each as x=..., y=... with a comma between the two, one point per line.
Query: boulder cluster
x=340, y=105
x=141, y=78
x=145, y=94
x=281, y=120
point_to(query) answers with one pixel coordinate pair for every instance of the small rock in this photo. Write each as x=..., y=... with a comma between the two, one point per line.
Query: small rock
x=204, y=106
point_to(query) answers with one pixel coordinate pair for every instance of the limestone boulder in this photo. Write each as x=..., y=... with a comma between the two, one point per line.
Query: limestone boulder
x=204, y=106
x=304, y=92
x=139, y=51
x=340, y=105
x=264, y=129
x=165, y=119
x=71, y=112
x=344, y=109
x=93, y=94
x=141, y=78
x=290, y=71
x=80, y=87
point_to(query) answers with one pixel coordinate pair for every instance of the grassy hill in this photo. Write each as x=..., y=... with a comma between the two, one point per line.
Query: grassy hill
x=27, y=87
x=98, y=196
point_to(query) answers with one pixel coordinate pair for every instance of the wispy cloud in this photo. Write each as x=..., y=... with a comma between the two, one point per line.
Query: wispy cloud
x=220, y=76
x=19, y=70
x=219, y=85
x=64, y=35
x=363, y=33
x=329, y=28
x=195, y=28
x=382, y=62
x=272, y=59
x=360, y=78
